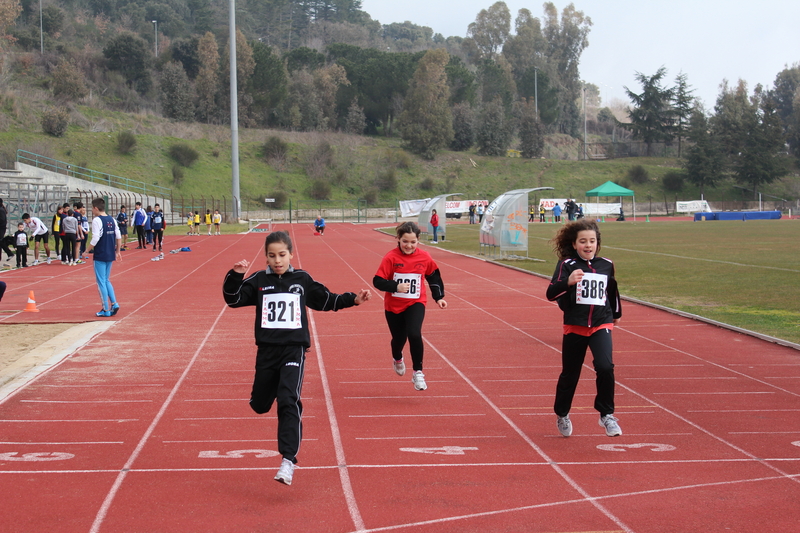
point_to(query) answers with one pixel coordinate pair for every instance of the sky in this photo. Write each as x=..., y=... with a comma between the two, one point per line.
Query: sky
x=708, y=40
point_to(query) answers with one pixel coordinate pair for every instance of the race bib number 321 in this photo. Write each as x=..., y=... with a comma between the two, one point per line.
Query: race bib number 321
x=281, y=311
x=592, y=289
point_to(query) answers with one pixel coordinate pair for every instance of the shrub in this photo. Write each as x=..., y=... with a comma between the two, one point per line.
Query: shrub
x=126, y=142
x=638, y=174
x=177, y=175
x=275, y=148
x=320, y=190
x=183, y=154
x=672, y=181
x=386, y=180
x=55, y=121
x=398, y=159
x=68, y=82
x=463, y=128
x=280, y=199
x=426, y=184
x=371, y=196
x=319, y=160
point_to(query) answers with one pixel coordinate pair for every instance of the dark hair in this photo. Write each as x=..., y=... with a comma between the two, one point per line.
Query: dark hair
x=79, y=205
x=70, y=213
x=407, y=227
x=565, y=238
x=278, y=236
x=99, y=203
x=25, y=216
x=122, y=207
x=138, y=203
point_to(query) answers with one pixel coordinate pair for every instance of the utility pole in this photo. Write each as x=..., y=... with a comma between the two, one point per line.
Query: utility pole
x=536, y=90
x=155, y=22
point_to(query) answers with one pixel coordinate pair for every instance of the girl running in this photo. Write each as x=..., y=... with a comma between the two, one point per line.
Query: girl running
x=400, y=277
x=586, y=291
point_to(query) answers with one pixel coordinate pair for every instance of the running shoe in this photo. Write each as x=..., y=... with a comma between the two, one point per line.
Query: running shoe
x=418, y=379
x=103, y=312
x=48, y=260
x=79, y=262
x=36, y=262
x=114, y=309
x=399, y=367
x=564, y=426
x=285, y=472
x=610, y=423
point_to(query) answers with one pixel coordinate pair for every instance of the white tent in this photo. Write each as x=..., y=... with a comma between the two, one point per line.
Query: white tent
x=505, y=222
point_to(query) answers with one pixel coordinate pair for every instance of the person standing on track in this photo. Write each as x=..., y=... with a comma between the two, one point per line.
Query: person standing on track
x=281, y=294
x=122, y=224
x=139, y=218
x=105, y=242
x=217, y=221
x=400, y=277
x=157, y=224
x=586, y=291
x=207, y=220
x=39, y=232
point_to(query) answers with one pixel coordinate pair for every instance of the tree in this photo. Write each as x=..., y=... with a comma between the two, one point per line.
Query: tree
x=463, y=127
x=531, y=131
x=494, y=131
x=268, y=84
x=704, y=162
x=130, y=55
x=652, y=116
x=68, y=82
x=9, y=11
x=245, y=66
x=426, y=123
x=177, y=93
x=356, y=120
x=327, y=82
x=495, y=81
x=207, y=84
x=683, y=105
x=490, y=29
x=785, y=95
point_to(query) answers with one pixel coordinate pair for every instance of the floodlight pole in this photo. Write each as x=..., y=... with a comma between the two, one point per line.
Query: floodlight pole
x=584, y=124
x=41, y=27
x=536, y=90
x=155, y=40
x=237, y=202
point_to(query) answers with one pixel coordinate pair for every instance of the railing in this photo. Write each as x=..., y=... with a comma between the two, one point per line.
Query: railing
x=94, y=176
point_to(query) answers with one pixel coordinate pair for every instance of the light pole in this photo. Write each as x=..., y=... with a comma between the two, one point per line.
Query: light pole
x=584, y=123
x=237, y=202
x=536, y=90
x=41, y=27
x=155, y=23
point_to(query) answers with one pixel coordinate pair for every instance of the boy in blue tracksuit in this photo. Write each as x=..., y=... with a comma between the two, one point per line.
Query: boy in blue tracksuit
x=157, y=224
x=105, y=242
x=281, y=294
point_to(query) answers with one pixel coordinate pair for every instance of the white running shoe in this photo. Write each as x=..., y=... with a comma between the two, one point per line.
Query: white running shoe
x=399, y=367
x=418, y=379
x=564, y=426
x=610, y=423
x=36, y=262
x=285, y=472
x=48, y=260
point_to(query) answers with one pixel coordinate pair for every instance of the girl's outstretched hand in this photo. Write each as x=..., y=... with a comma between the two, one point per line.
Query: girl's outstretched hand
x=363, y=296
x=241, y=266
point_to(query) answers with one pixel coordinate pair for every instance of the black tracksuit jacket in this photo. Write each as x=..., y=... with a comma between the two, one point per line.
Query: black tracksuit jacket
x=578, y=314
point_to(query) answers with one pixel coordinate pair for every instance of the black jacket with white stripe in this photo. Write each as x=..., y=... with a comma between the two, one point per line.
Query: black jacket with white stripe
x=240, y=292
x=585, y=315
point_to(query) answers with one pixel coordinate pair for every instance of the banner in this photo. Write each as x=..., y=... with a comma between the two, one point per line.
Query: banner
x=693, y=206
x=462, y=206
x=412, y=208
x=589, y=209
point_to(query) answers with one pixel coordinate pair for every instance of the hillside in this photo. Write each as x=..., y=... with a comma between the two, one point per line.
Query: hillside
x=361, y=167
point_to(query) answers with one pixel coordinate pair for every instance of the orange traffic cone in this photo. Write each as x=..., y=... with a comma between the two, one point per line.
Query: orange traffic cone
x=31, y=307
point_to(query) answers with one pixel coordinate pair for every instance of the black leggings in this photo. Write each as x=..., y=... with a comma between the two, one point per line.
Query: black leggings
x=140, y=236
x=407, y=326
x=158, y=237
x=68, y=246
x=573, y=352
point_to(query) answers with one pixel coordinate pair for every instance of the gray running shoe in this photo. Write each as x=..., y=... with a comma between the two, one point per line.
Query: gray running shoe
x=285, y=472
x=399, y=367
x=610, y=423
x=564, y=426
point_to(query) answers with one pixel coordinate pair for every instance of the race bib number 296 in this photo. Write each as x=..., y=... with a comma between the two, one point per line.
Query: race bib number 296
x=281, y=311
x=592, y=289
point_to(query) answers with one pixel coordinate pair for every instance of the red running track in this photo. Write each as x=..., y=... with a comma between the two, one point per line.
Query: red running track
x=146, y=427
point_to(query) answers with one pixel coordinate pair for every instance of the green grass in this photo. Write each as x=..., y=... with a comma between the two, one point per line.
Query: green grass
x=746, y=274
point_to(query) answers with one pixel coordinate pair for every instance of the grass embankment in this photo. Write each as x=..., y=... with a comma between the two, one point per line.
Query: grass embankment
x=740, y=273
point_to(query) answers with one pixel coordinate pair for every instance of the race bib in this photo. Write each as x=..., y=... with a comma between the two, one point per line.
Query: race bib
x=414, y=290
x=281, y=311
x=592, y=289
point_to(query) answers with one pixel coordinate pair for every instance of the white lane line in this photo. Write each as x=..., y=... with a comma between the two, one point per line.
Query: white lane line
x=62, y=443
x=85, y=401
x=417, y=415
x=435, y=437
x=71, y=420
x=341, y=462
x=737, y=393
x=122, y=474
x=415, y=396
x=739, y=410
x=219, y=440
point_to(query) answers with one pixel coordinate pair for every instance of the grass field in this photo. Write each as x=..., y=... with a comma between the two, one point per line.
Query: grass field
x=746, y=274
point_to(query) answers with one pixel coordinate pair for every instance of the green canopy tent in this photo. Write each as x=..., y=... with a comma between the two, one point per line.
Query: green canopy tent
x=610, y=188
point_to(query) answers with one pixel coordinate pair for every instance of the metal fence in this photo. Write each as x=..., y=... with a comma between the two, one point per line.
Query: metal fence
x=40, y=201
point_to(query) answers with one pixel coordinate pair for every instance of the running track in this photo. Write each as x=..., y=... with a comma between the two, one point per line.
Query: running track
x=146, y=426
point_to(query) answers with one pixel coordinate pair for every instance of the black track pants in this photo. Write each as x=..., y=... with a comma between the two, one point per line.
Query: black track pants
x=573, y=353
x=407, y=326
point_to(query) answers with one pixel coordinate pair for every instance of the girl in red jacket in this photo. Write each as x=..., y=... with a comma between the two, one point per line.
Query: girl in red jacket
x=400, y=276
x=435, y=225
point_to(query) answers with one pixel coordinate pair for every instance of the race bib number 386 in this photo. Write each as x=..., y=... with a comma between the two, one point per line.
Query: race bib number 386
x=281, y=311
x=592, y=289
x=413, y=281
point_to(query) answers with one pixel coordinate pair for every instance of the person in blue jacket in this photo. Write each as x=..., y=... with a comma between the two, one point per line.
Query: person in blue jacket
x=105, y=242
x=319, y=225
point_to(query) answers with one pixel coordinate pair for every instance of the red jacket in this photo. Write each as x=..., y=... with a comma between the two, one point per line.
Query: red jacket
x=435, y=220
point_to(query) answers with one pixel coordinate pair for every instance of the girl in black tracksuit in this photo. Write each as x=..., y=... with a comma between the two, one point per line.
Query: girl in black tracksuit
x=586, y=291
x=281, y=294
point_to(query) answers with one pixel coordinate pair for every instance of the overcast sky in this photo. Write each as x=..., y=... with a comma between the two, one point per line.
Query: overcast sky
x=709, y=40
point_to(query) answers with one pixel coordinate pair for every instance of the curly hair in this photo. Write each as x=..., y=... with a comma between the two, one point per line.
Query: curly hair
x=407, y=227
x=565, y=238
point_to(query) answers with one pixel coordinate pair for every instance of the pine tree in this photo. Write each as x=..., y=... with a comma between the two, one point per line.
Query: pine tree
x=493, y=133
x=207, y=84
x=531, y=131
x=426, y=124
x=177, y=93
